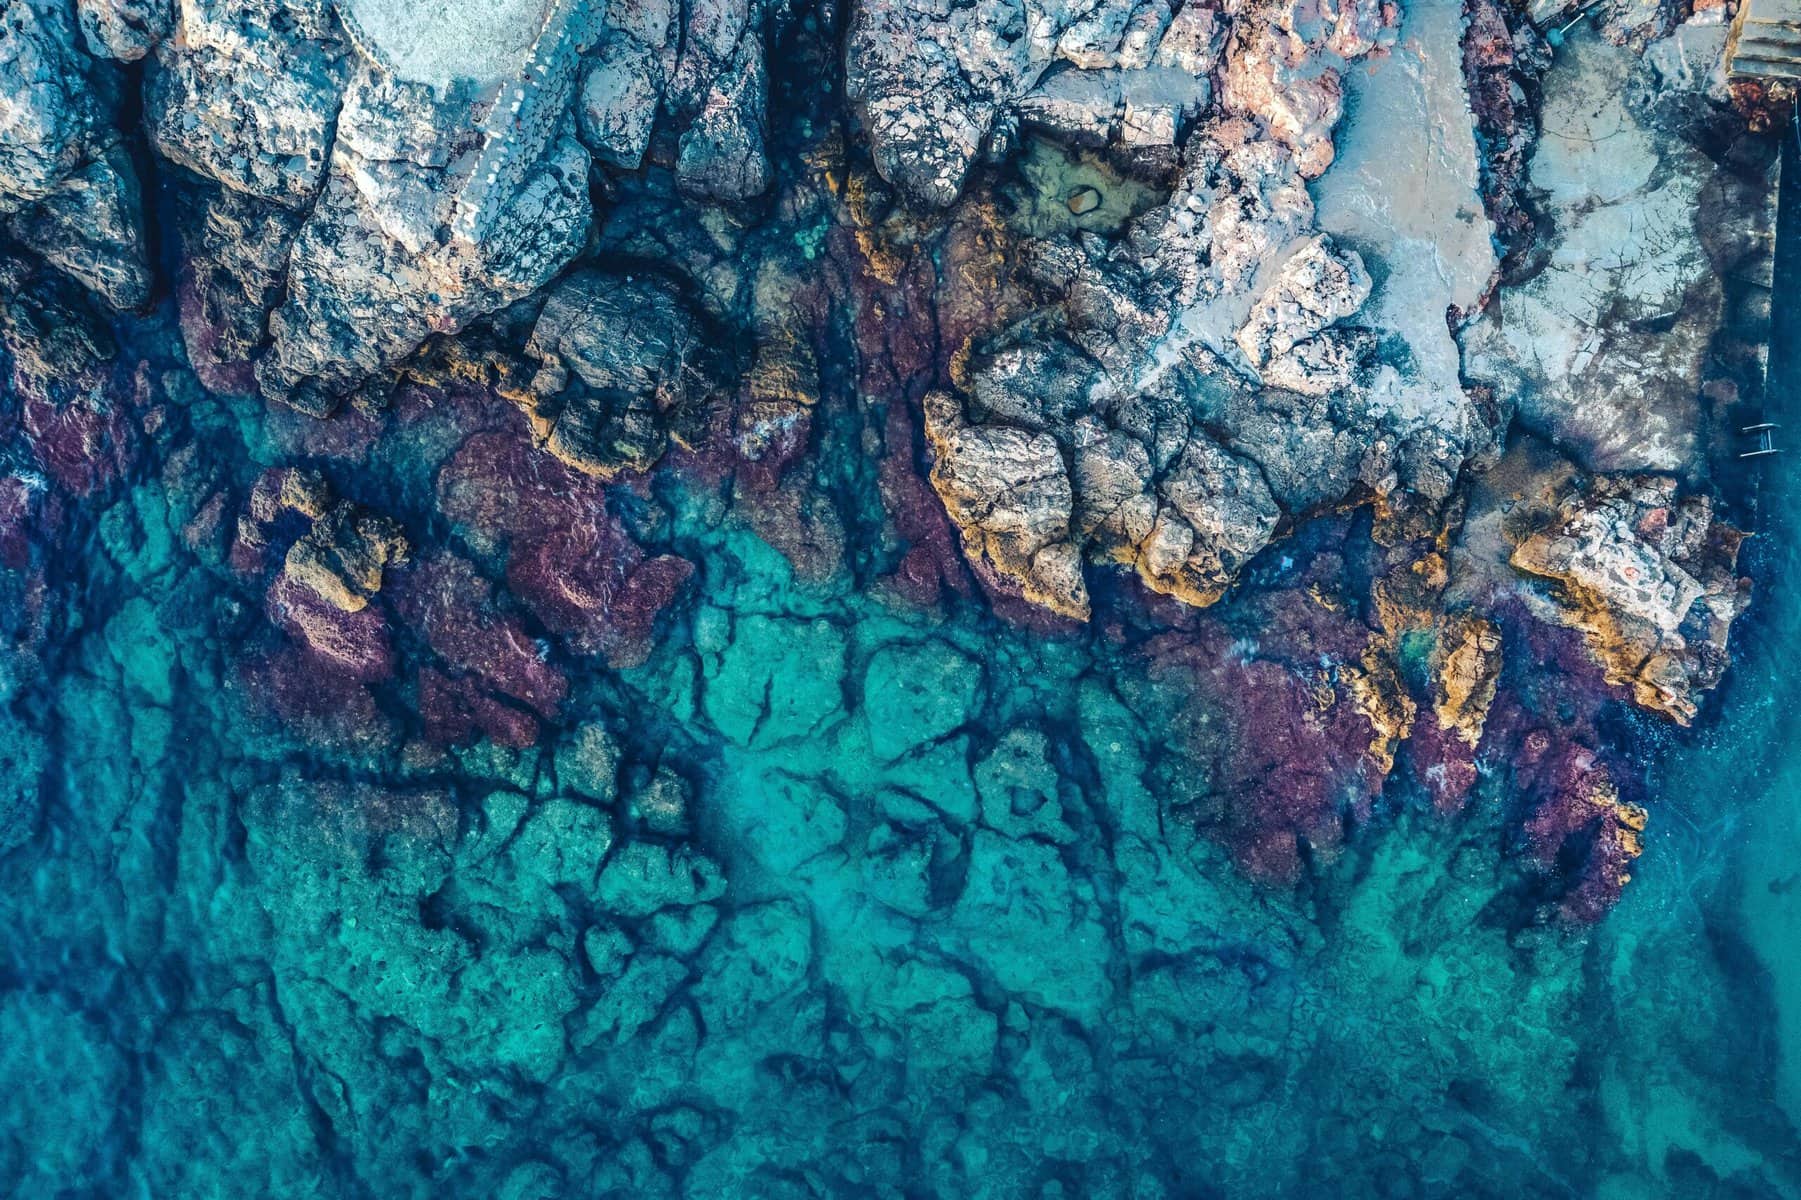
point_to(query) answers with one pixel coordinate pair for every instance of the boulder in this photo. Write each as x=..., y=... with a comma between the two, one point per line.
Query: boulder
x=1008, y=492
x=1648, y=576
x=342, y=557
x=623, y=366
x=68, y=189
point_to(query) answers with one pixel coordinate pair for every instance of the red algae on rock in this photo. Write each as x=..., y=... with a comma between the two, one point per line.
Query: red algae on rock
x=1581, y=832
x=495, y=676
x=567, y=558
x=1291, y=758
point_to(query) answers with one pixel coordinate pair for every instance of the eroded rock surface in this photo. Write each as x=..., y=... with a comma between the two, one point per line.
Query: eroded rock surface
x=68, y=188
x=1009, y=492
x=1200, y=387
x=624, y=366
x=395, y=186
x=1648, y=576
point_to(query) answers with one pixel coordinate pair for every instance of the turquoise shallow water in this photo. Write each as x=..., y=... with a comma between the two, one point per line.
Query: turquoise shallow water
x=825, y=897
x=1742, y=777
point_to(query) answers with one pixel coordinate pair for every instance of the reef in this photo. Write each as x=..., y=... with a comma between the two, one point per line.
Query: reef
x=868, y=598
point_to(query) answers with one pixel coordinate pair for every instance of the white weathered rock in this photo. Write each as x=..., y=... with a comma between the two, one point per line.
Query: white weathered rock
x=937, y=86
x=1317, y=285
x=384, y=260
x=1209, y=370
x=124, y=29
x=1404, y=188
x=247, y=94
x=1607, y=348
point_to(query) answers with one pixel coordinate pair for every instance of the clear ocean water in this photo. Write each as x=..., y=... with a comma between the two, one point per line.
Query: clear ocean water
x=858, y=904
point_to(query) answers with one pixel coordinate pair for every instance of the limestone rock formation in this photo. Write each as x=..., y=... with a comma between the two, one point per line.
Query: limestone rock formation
x=622, y=81
x=403, y=223
x=623, y=364
x=1187, y=527
x=1582, y=819
x=339, y=554
x=402, y=244
x=246, y=94
x=938, y=87
x=718, y=797
x=360, y=188
x=1317, y=286
x=389, y=193
x=1648, y=576
x=124, y=29
x=68, y=189
x=1200, y=382
x=236, y=249
x=1008, y=491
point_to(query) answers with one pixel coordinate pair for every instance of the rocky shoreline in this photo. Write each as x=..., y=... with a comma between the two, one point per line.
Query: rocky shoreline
x=1167, y=388
x=659, y=511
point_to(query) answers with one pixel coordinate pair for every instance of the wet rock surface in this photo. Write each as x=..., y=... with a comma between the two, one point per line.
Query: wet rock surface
x=881, y=599
x=1620, y=346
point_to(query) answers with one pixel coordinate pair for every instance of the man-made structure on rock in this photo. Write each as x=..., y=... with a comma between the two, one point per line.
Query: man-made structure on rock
x=1650, y=309
x=1766, y=40
x=520, y=58
x=523, y=118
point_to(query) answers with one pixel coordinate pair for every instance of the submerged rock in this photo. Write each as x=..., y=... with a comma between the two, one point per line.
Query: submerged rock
x=567, y=556
x=354, y=642
x=490, y=677
x=1581, y=831
x=691, y=775
x=23, y=757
